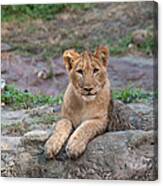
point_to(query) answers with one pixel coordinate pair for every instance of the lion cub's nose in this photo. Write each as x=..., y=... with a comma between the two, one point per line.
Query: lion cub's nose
x=88, y=89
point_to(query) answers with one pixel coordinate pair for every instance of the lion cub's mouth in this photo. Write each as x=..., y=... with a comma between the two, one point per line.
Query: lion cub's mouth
x=89, y=96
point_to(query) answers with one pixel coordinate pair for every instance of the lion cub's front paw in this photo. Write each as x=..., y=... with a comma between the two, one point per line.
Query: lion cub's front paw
x=75, y=148
x=52, y=147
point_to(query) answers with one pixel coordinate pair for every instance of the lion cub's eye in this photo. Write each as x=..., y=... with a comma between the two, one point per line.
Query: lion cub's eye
x=95, y=70
x=80, y=71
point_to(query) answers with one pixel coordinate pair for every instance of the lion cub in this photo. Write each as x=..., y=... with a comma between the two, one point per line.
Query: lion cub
x=87, y=101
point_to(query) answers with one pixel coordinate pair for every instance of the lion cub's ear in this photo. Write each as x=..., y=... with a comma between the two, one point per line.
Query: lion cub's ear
x=102, y=53
x=69, y=56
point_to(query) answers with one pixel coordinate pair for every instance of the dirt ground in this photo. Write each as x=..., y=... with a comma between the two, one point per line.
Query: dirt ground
x=33, y=59
x=124, y=71
x=78, y=28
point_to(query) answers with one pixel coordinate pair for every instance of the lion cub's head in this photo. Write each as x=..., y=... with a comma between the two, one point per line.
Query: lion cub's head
x=87, y=71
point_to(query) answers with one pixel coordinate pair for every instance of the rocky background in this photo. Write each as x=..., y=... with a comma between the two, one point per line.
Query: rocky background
x=34, y=80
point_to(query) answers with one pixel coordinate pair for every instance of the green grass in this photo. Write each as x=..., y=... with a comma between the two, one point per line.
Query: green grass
x=118, y=48
x=48, y=12
x=47, y=51
x=132, y=95
x=45, y=119
x=121, y=47
x=42, y=11
x=19, y=99
x=149, y=46
x=17, y=129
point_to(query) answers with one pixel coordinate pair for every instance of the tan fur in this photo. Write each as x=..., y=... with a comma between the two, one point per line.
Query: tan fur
x=87, y=101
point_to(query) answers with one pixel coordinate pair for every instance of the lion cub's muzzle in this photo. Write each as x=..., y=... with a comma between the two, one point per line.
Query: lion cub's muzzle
x=89, y=91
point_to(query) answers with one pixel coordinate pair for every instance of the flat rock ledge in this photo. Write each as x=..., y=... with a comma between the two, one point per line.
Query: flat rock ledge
x=119, y=155
x=125, y=155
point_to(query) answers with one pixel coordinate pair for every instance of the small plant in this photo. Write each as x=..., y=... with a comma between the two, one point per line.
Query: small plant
x=22, y=100
x=130, y=95
x=17, y=129
x=43, y=11
x=149, y=45
x=121, y=46
x=46, y=119
x=19, y=99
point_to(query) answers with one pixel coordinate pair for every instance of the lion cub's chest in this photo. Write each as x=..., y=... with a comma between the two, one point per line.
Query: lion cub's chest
x=79, y=112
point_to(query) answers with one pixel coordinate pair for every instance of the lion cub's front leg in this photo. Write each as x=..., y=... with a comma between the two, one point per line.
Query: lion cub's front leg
x=83, y=134
x=60, y=134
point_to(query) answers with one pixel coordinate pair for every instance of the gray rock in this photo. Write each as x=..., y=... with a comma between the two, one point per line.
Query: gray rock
x=9, y=150
x=9, y=143
x=126, y=155
x=142, y=116
x=141, y=108
x=114, y=155
x=139, y=115
x=3, y=84
x=12, y=117
x=36, y=135
x=6, y=47
x=21, y=121
x=139, y=36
